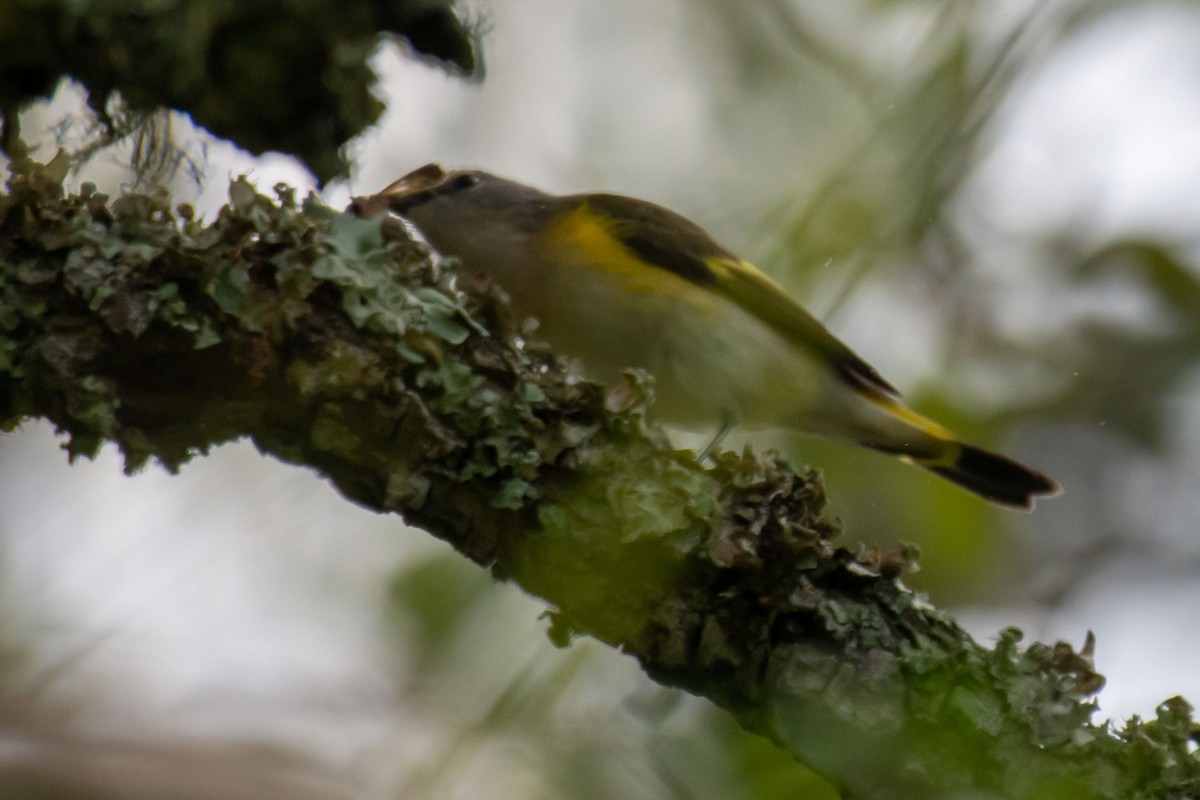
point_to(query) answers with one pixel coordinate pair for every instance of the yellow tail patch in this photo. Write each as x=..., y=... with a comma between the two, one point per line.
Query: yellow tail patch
x=945, y=456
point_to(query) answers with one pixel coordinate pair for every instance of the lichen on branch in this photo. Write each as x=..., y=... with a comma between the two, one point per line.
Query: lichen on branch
x=337, y=343
x=289, y=76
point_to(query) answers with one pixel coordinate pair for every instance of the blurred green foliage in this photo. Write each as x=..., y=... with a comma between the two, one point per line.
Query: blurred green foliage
x=896, y=107
x=550, y=715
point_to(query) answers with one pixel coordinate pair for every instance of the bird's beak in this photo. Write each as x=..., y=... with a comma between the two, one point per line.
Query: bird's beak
x=400, y=193
x=419, y=180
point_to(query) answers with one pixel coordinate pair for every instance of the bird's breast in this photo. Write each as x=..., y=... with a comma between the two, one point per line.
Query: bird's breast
x=711, y=360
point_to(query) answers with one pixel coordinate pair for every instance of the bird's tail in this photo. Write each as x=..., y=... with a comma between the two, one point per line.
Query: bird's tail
x=989, y=475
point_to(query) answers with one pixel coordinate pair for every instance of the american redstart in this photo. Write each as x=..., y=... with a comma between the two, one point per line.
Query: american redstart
x=617, y=282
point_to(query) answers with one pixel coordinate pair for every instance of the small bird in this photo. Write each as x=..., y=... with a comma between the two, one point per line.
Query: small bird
x=616, y=282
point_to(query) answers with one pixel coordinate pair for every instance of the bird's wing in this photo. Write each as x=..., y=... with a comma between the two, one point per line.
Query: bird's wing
x=674, y=243
x=744, y=284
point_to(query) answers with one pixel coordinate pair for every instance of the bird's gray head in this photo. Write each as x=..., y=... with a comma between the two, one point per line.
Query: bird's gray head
x=467, y=212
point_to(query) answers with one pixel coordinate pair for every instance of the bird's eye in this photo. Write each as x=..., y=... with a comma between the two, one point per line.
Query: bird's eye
x=464, y=181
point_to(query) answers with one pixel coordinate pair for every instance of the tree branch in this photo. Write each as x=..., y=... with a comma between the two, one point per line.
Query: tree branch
x=287, y=75
x=333, y=346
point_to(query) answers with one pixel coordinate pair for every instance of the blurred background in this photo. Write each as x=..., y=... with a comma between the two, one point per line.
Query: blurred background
x=994, y=202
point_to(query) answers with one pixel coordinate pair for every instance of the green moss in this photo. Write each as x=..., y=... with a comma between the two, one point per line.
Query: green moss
x=287, y=75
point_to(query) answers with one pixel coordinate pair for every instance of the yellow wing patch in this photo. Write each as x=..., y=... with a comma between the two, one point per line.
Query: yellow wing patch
x=592, y=236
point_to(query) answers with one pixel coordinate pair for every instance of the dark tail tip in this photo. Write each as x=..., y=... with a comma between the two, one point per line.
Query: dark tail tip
x=995, y=477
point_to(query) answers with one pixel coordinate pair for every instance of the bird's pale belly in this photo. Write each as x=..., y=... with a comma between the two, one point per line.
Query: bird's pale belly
x=711, y=361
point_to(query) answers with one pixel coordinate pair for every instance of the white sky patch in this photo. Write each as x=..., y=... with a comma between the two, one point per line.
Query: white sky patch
x=1108, y=135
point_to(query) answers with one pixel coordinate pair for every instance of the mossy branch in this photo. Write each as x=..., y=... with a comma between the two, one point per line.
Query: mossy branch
x=289, y=76
x=332, y=345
